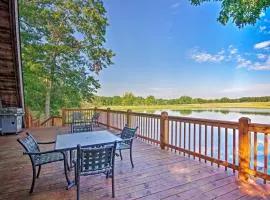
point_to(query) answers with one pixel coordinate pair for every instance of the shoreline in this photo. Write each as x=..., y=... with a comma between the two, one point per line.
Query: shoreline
x=251, y=105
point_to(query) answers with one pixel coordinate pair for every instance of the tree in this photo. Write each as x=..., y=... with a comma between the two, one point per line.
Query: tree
x=242, y=12
x=185, y=100
x=62, y=47
x=128, y=99
x=116, y=100
x=150, y=100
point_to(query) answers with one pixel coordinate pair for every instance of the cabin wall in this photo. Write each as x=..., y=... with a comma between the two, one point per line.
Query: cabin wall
x=11, y=87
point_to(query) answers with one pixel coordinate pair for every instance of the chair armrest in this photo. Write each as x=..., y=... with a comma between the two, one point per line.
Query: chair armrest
x=47, y=142
x=40, y=153
x=128, y=139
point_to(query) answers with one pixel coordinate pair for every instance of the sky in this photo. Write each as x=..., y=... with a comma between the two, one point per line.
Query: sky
x=169, y=48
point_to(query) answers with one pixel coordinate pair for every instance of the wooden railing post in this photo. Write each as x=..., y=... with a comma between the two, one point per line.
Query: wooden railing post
x=28, y=118
x=129, y=118
x=108, y=118
x=164, y=130
x=63, y=117
x=244, y=149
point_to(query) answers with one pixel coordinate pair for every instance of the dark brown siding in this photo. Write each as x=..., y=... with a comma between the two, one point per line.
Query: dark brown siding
x=10, y=71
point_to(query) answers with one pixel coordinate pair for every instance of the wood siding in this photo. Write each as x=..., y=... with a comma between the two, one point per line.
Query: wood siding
x=11, y=93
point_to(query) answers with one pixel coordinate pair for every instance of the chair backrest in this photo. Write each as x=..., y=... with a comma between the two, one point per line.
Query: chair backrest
x=128, y=133
x=95, y=158
x=95, y=116
x=29, y=143
x=77, y=116
x=78, y=128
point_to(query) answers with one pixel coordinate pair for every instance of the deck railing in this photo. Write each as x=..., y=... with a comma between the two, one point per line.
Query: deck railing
x=34, y=123
x=241, y=146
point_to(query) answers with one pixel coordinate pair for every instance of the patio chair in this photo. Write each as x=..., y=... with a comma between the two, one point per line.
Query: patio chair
x=95, y=160
x=80, y=125
x=38, y=158
x=127, y=136
x=95, y=118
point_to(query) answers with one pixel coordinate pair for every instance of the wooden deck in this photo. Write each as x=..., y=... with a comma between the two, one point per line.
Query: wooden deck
x=158, y=174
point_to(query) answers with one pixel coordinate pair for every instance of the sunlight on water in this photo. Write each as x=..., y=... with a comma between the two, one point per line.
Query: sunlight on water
x=226, y=114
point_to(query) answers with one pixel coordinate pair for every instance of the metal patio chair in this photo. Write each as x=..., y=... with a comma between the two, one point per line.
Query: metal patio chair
x=79, y=124
x=127, y=135
x=95, y=160
x=38, y=158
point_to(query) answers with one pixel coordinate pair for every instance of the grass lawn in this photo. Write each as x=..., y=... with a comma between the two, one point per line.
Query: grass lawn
x=191, y=106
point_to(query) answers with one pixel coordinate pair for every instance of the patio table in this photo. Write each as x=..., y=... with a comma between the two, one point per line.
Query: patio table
x=70, y=141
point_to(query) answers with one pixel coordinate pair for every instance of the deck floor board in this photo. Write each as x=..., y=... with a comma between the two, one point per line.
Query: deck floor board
x=158, y=174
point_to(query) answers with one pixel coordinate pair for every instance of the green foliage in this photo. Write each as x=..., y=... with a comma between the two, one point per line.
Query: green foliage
x=62, y=48
x=129, y=99
x=150, y=100
x=241, y=12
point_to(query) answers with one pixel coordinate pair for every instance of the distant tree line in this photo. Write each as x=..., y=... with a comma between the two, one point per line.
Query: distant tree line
x=129, y=99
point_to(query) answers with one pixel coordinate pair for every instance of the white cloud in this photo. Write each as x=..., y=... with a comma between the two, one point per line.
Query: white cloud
x=175, y=5
x=252, y=90
x=262, y=28
x=232, y=50
x=262, y=14
x=261, y=56
x=250, y=61
x=262, y=66
x=200, y=56
x=262, y=45
x=242, y=62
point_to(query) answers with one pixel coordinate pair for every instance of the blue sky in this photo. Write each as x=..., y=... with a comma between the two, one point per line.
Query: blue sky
x=168, y=48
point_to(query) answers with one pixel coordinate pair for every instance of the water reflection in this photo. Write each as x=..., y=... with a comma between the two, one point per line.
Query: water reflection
x=256, y=115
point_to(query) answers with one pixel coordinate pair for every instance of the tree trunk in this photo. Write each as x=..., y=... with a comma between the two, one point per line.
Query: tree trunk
x=48, y=101
x=50, y=82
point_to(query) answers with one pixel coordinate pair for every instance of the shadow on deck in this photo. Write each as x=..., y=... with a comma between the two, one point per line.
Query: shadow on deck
x=158, y=174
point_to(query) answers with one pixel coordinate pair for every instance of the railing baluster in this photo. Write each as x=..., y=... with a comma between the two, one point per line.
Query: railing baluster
x=226, y=147
x=265, y=154
x=218, y=144
x=200, y=140
x=175, y=140
x=194, y=139
x=255, y=151
x=151, y=128
x=205, y=141
x=234, y=148
x=180, y=135
x=184, y=137
x=189, y=134
x=171, y=133
x=212, y=138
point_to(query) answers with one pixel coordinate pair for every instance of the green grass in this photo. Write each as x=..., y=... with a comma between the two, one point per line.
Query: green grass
x=192, y=106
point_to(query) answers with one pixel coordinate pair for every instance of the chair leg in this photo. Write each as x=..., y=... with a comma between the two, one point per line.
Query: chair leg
x=113, y=193
x=107, y=174
x=78, y=187
x=130, y=154
x=70, y=158
x=39, y=168
x=120, y=154
x=34, y=179
x=65, y=169
x=75, y=173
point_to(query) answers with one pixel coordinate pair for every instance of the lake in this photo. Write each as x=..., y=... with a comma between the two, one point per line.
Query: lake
x=257, y=115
